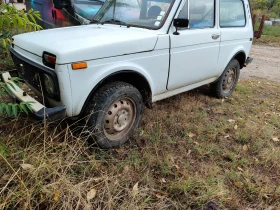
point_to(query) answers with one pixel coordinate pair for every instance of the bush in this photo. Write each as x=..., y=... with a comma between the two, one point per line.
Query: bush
x=13, y=21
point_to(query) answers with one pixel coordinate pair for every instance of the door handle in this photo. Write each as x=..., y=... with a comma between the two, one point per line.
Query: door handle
x=215, y=36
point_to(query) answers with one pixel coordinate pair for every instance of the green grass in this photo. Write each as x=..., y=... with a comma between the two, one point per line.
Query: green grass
x=271, y=30
x=271, y=35
x=178, y=162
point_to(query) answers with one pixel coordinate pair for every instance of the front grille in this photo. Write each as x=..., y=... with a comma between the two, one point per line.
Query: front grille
x=33, y=73
x=28, y=72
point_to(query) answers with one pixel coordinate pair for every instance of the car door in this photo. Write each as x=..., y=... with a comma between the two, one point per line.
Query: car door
x=194, y=52
x=236, y=30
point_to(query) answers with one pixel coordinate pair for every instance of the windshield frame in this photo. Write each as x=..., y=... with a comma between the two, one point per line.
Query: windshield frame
x=139, y=26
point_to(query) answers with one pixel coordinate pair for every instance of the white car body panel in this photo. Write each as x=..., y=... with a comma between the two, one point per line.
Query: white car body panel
x=142, y=63
x=188, y=50
x=170, y=63
x=87, y=42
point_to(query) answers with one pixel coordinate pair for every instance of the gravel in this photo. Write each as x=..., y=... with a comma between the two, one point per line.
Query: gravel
x=266, y=64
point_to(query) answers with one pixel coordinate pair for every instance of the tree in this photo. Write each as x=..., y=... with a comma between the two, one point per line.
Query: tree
x=276, y=8
x=259, y=4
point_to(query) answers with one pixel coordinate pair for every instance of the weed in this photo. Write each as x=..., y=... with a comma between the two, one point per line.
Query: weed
x=203, y=152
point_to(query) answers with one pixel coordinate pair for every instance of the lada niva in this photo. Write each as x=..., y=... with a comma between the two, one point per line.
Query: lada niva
x=132, y=54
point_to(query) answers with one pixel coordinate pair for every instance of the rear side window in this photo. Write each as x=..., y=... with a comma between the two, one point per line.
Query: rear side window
x=232, y=13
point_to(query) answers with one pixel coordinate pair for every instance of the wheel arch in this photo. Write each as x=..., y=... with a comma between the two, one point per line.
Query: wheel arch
x=134, y=78
x=240, y=56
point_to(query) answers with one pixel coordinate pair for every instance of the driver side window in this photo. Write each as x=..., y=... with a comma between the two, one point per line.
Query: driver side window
x=201, y=13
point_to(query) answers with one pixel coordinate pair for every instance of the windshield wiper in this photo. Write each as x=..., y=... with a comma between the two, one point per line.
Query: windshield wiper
x=99, y=1
x=94, y=21
x=116, y=21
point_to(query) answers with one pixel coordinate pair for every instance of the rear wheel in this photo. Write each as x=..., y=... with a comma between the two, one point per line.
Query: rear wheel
x=114, y=113
x=227, y=82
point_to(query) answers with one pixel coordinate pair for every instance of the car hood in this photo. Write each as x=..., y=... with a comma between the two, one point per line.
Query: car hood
x=87, y=42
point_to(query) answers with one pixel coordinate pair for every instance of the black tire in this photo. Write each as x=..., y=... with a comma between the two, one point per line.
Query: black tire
x=116, y=106
x=227, y=82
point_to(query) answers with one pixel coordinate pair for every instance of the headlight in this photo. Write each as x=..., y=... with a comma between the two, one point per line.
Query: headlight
x=49, y=85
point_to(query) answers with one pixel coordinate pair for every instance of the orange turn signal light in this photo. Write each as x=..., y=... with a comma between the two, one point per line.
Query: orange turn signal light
x=80, y=65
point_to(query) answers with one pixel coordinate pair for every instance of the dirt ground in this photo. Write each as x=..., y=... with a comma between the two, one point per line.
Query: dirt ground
x=266, y=64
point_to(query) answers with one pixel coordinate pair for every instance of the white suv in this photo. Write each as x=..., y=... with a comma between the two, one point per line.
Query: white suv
x=133, y=53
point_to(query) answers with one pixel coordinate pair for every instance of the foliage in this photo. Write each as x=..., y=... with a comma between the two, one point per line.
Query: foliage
x=14, y=21
x=270, y=8
x=270, y=36
x=10, y=108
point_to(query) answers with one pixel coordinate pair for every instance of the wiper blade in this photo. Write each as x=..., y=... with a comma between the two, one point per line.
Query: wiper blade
x=99, y=1
x=115, y=21
x=94, y=21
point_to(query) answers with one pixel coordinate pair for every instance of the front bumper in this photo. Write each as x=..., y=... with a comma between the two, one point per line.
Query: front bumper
x=39, y=111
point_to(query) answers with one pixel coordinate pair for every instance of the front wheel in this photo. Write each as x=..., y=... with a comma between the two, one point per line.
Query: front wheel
x=227, y=82
x=114, y=113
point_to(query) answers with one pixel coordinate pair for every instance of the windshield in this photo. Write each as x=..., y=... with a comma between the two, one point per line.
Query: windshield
x=140, y=13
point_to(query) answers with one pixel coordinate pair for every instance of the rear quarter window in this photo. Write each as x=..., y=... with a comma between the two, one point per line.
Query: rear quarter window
x=232, y=13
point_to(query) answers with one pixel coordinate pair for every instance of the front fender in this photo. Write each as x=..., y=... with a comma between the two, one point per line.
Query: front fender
x=84, y=81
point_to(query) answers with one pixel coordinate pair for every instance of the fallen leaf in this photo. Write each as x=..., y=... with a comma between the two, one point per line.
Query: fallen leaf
x=91, y=194
x=240, y=169
x=177, y=167
x=6, y=177
x=172, y=159
x=135, y=190
x=56, y=195
x=266, y=196
x=196, y=143
x=275, y=139
x=191, y=134
x=245, y=147
x=119, y=151
x=163, y=180
x=238, y=184
x=235, y=127
x=158, y=196
x=231, y=120
x=26, y=166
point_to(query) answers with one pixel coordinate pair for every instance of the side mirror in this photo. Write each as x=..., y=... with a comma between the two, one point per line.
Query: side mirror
x=60, y=4
x=180, y=23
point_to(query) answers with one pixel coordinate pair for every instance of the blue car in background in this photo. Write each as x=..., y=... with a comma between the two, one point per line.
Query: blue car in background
x=61, y=13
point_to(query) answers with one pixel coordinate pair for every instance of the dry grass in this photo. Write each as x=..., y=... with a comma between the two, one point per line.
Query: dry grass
x=268, y=41
x=185, y=155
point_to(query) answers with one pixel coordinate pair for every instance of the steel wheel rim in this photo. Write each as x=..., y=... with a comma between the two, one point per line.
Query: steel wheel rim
x=119, y=118
x=229, y=80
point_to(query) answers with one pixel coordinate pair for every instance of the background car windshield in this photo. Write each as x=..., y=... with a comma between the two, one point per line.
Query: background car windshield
x=141, y=13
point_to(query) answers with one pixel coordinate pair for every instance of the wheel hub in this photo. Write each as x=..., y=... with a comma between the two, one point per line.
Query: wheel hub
x=119, y=118
x=229, y=80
